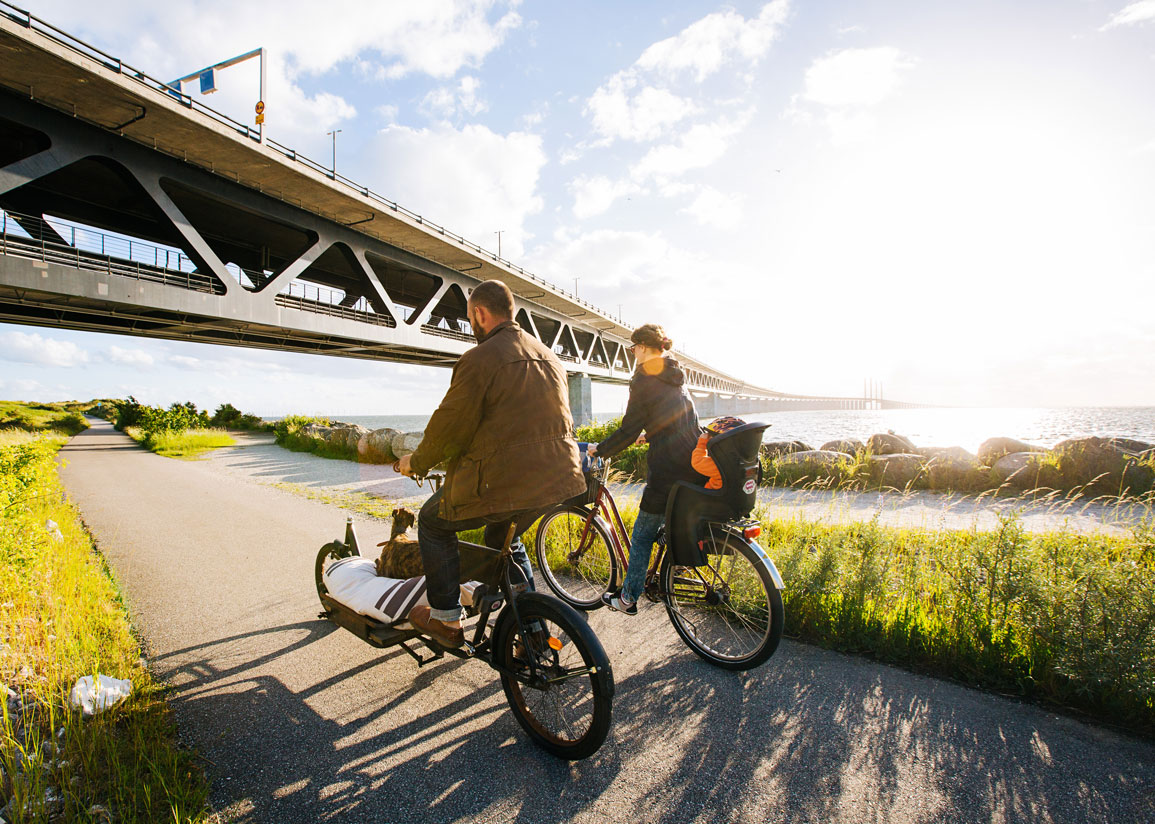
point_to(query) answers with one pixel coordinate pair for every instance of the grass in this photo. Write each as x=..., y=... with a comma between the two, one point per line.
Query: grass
x=62, y=617
x=189, y=445
x=62, y=418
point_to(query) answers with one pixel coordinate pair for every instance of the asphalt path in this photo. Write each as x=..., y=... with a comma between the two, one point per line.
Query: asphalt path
x=298, y=721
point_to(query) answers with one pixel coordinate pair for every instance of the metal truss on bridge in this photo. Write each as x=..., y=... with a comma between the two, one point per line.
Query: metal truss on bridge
x=130, y=209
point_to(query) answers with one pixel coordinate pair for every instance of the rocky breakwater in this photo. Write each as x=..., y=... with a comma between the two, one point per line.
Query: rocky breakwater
x=1112, y=466
x=355, y=442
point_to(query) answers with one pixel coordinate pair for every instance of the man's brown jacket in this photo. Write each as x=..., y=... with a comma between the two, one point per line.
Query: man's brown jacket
x=504, y=425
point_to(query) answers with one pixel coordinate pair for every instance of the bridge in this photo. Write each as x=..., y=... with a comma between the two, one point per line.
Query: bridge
x=129, y=207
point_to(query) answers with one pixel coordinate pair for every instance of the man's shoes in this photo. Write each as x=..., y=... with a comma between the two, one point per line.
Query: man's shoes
x=614, y=601
x=445, y=635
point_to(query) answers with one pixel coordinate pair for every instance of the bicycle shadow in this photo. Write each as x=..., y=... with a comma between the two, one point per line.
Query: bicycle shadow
x=816, y=736
x=277, y=752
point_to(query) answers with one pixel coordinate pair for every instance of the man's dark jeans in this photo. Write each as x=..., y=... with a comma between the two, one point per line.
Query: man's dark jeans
x=437, y=538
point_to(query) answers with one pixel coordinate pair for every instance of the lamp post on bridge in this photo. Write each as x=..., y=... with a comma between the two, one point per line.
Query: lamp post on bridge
x=334, y=134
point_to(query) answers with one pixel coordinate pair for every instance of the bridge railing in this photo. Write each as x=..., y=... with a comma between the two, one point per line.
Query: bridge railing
x=115, y=64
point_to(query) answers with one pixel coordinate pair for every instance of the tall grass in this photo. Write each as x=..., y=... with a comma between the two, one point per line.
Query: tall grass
x=62, y=418
x=1060, y=617
x=62, y=617
x=188, y=445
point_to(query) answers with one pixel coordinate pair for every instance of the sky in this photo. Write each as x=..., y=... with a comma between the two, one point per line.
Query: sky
x=952, y=200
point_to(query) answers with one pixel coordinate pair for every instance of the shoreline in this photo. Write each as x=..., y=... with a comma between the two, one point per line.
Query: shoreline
x=257, y=456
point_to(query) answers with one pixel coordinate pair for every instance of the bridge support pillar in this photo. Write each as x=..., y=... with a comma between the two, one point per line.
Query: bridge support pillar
x=581, y=404
x=707, y=406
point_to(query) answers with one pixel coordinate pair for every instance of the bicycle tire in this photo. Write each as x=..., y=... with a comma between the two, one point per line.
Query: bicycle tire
x=728, y=612
x=579, y=584
x=566, y=716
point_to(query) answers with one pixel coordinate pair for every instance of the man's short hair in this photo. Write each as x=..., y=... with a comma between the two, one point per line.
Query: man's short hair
x=494, y=296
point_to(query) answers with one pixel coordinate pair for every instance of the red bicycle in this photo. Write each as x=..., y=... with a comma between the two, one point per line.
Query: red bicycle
x=722, y=592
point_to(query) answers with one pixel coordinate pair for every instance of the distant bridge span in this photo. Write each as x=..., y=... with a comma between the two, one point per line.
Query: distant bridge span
x=133, y=209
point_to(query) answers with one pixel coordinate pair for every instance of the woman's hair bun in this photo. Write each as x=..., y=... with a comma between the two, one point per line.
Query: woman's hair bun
x=653, y=336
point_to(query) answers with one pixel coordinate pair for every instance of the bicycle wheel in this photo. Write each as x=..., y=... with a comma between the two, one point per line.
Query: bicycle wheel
x=577, y=571
x=728, y=611
x=566, y=708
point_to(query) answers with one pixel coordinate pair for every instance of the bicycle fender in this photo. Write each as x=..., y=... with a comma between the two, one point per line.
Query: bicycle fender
x=762, y=556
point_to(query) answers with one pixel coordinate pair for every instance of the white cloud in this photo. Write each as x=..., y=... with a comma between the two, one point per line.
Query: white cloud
x=617, y=112
x=594, y=195
x=472, y=181
x=699, y=147
x=448, y=101
x=707, y=45
x=714, y=208
x=130, y=357
x=855, y=77
x=185, y=362
x=24, y=347
x=638, y=104
x=1131, y=15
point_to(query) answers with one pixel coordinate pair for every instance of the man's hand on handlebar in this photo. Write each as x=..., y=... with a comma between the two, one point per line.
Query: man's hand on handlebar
x=403, y=466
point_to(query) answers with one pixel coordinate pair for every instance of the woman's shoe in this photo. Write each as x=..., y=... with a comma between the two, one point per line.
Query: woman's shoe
x=614, y=601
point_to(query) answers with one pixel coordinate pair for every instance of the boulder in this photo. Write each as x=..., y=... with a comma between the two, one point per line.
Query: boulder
x=898, y=469
x=377, y=446
x=889, y=444
x=1131, y=446
x=1099, y=462
x=774, y=449
x=851, y=446
x=1022, y=470
x=317, y=430
x=814, y=457
x=346, y=435
x=954, y=453
x=994, y=448
x=946, y=471
x=404, y=443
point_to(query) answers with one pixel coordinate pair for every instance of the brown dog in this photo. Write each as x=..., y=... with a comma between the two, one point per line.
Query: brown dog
x=400, y=555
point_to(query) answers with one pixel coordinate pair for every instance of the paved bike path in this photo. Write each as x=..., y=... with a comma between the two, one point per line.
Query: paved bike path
x=301, y=722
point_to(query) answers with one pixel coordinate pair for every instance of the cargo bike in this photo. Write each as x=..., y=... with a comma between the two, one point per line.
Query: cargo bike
x=554, y=671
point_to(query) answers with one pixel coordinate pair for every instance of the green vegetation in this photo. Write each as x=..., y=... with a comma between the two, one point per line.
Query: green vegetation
x=1058, y=617
x=630, y=462
x=60, y=418
x=290, y=433
x=62, y=617
x=188, y=445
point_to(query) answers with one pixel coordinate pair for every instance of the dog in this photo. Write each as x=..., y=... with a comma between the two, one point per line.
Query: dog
x=400, y=555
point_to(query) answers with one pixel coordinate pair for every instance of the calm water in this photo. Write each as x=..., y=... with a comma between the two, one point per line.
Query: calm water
x=926, y=427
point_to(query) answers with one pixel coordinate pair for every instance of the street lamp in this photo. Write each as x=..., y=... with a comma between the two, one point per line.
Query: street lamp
x=334, y=133
x=498, y=233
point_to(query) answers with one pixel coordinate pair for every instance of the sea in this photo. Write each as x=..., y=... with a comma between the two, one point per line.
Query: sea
x=965, y=427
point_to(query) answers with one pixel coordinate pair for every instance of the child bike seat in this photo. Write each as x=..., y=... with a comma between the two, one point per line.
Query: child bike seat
x=689, y=507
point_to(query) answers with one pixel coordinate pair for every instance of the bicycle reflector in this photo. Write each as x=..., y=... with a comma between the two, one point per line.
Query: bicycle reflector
x=555, y=643
x=752, y=531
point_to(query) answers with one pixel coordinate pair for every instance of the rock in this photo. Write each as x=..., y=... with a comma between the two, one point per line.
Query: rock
x=774, y=449
x=889, y=444
x=946, y=472
x=1131, y=446
x=851, y=446
x=377, y=446
x=994, y=448
x=954, y=453
x=319, y=431
x=346, y=435
x=814, y=457
x=899, y=469
x=1102, y=464
x=404, y=443
x=1021, y=470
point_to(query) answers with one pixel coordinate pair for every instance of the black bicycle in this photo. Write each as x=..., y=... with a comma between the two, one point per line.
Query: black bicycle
x=554, y=670
x=721, y=590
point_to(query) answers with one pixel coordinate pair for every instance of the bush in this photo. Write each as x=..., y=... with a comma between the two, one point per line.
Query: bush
x=64, y=419
x=631, y=461
x=228, y=416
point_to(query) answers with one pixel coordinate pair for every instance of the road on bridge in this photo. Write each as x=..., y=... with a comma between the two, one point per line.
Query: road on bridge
x=300, y=722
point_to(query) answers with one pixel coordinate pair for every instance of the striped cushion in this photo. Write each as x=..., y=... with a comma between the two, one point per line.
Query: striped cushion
x=354, y=582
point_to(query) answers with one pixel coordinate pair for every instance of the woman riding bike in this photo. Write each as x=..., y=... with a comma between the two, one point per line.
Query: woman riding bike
x=660, y=406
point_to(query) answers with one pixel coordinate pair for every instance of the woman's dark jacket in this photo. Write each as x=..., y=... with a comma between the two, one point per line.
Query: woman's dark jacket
x=660, y=406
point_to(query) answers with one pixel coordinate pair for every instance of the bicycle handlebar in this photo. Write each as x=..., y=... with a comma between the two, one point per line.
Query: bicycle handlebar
x=435, y=478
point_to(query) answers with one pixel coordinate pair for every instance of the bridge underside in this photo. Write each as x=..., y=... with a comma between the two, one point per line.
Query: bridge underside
x=102, y=234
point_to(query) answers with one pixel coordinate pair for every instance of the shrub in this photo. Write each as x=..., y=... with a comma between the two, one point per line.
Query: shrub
x=631, y=461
